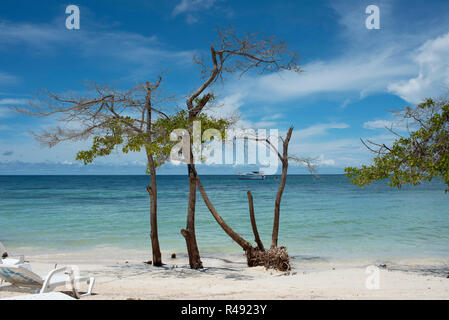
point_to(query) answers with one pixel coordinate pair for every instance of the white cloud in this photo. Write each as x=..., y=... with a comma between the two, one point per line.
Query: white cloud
x=136, y=51
x=372, y=62
x=353, y=76
x=6, y=103
x=318, y=130
x=186, y=6
x=397, y=124
x=433, y=77
x=138, y=163
x=191, y=9
x=191, y=19
x=360, y=75
x=325, y=162
x=228, y=107
x=13, y=101
x=7, y=78
x=332, y=152
x=329, y=152
x=377, y=124
x=28, y=150
x=275, y=116
x=337, y=152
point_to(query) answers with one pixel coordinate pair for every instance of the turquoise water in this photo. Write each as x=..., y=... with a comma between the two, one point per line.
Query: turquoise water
x=322, y=216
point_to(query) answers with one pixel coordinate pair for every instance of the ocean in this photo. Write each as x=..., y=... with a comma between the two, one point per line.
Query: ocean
x=322, y=216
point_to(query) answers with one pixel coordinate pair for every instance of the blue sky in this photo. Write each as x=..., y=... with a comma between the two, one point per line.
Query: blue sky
x=353, y=77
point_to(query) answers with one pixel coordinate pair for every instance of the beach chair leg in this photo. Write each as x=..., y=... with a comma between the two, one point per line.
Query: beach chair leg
x=91, y=283
x=73, y=284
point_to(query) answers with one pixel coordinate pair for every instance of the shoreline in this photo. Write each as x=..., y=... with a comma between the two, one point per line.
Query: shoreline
x=113, y=254
x=121, y=274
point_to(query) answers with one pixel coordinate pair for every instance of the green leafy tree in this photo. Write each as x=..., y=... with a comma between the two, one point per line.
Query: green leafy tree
x=117, y=136
x=112, y=118
x=421, y=156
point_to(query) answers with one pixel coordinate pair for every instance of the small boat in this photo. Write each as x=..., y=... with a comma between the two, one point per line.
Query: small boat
x=253, y=175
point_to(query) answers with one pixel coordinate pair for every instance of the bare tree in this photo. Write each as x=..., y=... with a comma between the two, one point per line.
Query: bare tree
x=112, y=117
x=276, y=257
x=231, y=53
x=285, y=157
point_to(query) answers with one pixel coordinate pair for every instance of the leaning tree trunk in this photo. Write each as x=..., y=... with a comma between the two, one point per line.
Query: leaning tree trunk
x=226, y=228
x=189, y=232
x=275, y=258
x=152, y=191
x=250, y=251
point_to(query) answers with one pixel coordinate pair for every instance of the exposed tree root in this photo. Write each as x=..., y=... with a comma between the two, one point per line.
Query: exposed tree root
x=276, y=258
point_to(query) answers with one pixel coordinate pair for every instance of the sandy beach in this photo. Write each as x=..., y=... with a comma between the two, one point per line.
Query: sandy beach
x=122, y=274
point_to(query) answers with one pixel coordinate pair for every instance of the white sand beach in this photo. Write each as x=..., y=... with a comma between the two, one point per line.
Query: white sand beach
x=121, y=274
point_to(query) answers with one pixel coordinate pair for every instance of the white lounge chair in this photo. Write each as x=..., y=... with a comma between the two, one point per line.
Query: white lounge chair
x=43, y=296
x=6, y=258
x=20, y=276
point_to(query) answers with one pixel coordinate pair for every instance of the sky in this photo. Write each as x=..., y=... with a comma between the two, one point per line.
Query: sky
x=353, y=77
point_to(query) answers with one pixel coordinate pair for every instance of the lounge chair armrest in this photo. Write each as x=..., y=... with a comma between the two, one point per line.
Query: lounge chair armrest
x=21, y=257
x=49, y=276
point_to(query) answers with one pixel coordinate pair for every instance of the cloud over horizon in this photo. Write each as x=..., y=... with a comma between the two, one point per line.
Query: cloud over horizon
x=432, y=79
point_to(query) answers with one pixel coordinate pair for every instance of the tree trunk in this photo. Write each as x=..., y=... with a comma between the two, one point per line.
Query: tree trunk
x=277, y=205
x=152, y=191
x=229, y=231
x=250, y=252
x=189, y=232
x=276, y=258
x=253, y=222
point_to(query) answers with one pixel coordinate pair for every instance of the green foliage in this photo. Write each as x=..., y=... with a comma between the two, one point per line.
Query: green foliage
x=162, y=145
x=422, y=156
x=118, y=134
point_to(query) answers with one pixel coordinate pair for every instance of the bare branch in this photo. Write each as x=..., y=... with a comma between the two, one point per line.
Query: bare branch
x=91, y=113
x=240, y=53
